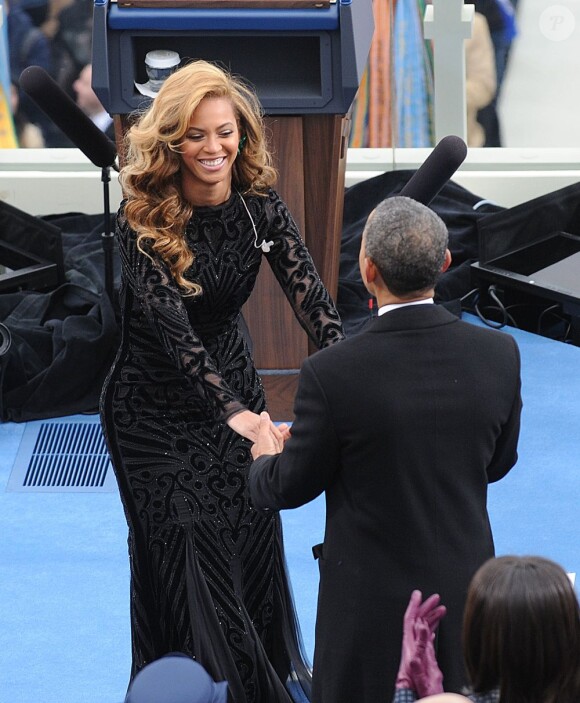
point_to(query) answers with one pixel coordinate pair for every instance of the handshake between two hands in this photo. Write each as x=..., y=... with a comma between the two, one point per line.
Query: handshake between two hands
x=259, y=429
x=271, y=438
x=418, y=669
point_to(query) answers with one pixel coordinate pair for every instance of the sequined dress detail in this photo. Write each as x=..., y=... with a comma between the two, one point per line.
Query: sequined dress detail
x=207, y=571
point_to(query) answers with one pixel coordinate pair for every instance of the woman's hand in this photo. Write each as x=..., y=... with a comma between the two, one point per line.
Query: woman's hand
x=259, y=429
x=270, y=438
x=418, y=669
x=427, y=677
x=246, y=424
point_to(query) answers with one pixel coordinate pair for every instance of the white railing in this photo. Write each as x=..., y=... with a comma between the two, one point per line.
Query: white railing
x=506, y=176
x=54, y=181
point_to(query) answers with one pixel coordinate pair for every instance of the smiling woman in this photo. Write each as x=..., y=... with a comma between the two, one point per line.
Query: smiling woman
x=180, y=407
x=209, y=151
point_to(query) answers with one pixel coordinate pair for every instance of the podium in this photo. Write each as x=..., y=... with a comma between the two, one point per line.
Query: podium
x=305, y=59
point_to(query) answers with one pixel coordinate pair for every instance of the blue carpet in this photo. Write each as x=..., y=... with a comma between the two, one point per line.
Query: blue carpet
x=64, y=626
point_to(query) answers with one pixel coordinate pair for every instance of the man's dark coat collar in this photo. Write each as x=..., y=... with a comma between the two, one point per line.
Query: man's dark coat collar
x=415, y=316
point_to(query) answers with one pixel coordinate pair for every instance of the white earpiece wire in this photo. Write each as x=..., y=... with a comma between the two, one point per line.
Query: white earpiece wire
x=264, y=246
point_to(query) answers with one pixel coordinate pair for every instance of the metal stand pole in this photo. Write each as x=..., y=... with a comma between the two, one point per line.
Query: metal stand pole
x=5, y=342
x=107, y=234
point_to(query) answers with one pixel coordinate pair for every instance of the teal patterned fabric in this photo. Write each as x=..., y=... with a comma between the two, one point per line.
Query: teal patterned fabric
x=413, y=77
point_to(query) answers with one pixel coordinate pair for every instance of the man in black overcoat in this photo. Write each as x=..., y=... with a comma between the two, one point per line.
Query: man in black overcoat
x=403, y=426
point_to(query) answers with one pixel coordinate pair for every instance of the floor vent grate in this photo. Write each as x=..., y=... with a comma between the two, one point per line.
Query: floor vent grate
x=62, y=455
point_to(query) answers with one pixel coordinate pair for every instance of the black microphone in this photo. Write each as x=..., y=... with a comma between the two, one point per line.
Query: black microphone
x=67, y=115
x=436, y=170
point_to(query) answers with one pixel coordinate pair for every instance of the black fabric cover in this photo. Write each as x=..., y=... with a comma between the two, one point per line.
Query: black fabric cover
x=64, y=340
x=558, y=211
x=34, y=239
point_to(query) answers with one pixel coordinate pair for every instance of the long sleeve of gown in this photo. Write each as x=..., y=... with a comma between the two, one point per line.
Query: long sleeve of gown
x=151, y=283
x=294, y=270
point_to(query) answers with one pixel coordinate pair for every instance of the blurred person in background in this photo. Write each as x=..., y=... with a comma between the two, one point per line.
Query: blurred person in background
x=480, y=78
x=72, y=42
x=29, y=46
x=90, y=104
x=29, y=135
x=500, y=16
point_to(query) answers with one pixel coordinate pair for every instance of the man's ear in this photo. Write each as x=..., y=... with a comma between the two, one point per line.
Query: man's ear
x=447, y=261
x=370, y=270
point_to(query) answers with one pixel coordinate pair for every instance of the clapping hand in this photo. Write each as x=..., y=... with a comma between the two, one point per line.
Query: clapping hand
x=418, y=669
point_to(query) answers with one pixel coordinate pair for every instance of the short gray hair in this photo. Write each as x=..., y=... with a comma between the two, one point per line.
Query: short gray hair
x=406, y=241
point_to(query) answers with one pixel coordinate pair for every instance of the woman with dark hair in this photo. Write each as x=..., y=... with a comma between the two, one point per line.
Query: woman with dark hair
x=180, y=407
x=521, y=632
x=521, y=637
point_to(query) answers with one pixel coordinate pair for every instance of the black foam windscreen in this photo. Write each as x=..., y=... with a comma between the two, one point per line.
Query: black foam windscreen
x=436, y=170
x=66, y=115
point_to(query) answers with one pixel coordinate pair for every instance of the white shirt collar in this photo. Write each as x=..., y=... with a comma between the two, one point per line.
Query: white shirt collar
x=394, y=306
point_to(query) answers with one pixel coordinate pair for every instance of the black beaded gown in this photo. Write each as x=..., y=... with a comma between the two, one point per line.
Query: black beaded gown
x=207, y=570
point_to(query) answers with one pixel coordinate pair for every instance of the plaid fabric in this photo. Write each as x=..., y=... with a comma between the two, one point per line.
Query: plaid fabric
x=406, y=695
x=489, y=697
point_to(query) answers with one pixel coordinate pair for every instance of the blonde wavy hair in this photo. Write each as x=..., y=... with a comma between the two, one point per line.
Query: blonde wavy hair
x=156, y=209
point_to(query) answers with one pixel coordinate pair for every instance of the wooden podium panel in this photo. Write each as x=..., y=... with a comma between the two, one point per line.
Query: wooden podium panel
x=326, y=143
x=279, y=341
x=310, y=155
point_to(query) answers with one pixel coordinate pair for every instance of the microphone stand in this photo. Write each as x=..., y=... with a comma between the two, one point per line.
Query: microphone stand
x=107, y=235
x=5, y=343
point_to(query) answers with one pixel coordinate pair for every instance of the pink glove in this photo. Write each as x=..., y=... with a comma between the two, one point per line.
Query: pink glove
x=426, y=676
x=418, y=669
